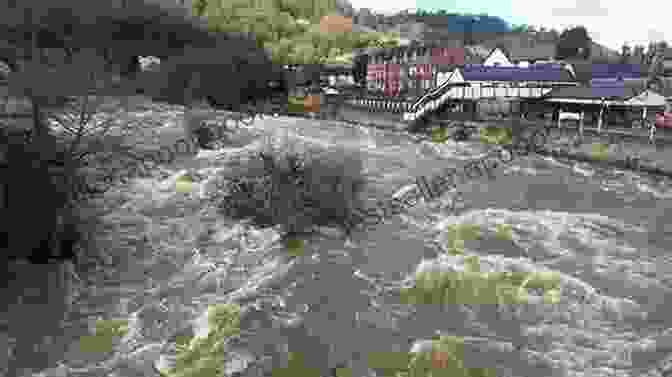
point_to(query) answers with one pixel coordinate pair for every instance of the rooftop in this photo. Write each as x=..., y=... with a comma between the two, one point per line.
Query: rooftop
x=617, y=90
x=536, y=72
x=586, y=71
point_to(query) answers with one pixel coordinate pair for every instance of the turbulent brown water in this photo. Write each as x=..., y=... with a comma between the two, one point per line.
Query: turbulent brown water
x=605, y=230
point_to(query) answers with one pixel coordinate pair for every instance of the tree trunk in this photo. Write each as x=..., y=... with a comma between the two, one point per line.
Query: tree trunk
x=40, y=129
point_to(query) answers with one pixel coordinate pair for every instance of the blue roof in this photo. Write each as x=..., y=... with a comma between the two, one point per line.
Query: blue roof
x=611, y=81
x=540, y=72
x=600, y=71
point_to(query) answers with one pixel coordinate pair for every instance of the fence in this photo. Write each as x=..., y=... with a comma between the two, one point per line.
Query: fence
x=397, y=106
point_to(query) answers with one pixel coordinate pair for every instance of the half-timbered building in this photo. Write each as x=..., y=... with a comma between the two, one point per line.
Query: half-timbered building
x=505, y=87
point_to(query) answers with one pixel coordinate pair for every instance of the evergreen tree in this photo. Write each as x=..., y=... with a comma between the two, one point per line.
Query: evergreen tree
x=574, y=43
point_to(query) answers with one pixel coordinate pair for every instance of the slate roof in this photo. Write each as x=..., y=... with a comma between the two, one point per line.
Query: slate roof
x=586, y=71
x=636, y=83
x=616, y=70
x=541, y=72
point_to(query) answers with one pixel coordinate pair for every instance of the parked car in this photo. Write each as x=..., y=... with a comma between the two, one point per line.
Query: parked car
x=664, y=120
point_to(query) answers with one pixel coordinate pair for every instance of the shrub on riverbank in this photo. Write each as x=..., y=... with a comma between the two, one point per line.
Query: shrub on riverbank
x=48, y=166
x=298, y=190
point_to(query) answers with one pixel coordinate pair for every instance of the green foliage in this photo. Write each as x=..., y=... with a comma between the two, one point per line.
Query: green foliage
x=503, y=232
x=389, y=362
x=344, y=372
x=184, y=184
x=102, y=340
x=600, y=151
x=458, y=233
x=440, y=135
x=472, y=263
x=520, y=28
x=296, y=105
x=289, y=30
x=296, y=367
x=295, y=246
x=444, y=359
x=471, y=286
x=204, y=356
x=476, y=288
x=496, y=135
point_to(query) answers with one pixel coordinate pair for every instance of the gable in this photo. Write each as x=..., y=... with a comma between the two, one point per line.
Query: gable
x=497, y=57
x=456, y=76
x=647, y=98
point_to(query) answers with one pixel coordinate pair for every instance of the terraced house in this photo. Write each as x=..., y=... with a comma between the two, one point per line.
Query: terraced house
x=413, y=69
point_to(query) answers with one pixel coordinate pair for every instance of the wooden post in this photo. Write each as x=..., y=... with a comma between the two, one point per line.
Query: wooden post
x=557, y=116
x=600, y=119
x=190, y=117
x=581, y=125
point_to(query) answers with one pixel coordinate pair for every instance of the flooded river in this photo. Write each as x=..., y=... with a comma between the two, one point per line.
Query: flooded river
x=607, y=229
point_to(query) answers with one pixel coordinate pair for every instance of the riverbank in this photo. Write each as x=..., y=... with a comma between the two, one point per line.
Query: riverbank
x=653, y=159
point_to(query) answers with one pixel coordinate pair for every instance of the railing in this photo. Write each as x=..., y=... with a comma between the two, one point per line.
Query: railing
x=381, y=104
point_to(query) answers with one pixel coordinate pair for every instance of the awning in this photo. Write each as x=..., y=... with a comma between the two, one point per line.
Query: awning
x=647, y=99
x=581, y=101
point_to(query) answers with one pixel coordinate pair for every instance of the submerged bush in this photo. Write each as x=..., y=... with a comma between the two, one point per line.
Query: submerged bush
x=205, y=356
x=600, y=151
x=443, y=357
x=458, y=233
x=503, y=232
x=105, y=333
x=478, y=288
x=440, y=135
x=496, y=135
x=446, y=358
x=295, y=246
x=298, y=190
x=472, y=286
